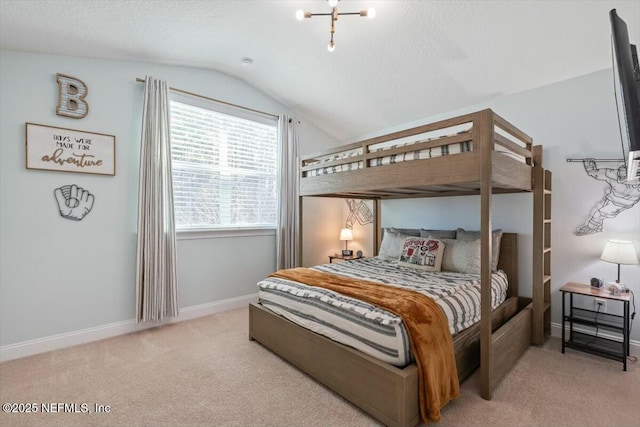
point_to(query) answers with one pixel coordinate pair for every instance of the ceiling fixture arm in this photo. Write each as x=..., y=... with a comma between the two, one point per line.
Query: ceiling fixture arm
x=334, y=17
x=334, y=14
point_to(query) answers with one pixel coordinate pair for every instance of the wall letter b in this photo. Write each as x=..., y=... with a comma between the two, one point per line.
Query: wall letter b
x=71, y=93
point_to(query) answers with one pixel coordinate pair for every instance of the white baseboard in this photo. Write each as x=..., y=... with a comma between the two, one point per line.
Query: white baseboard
x=54, y=342
x=556, y=331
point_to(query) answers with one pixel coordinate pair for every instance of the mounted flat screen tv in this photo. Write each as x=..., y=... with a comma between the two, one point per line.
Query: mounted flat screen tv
x=627, y=90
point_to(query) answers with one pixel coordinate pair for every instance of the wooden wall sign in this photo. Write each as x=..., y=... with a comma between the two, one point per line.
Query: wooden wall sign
x=68, y=150
x=71, y=93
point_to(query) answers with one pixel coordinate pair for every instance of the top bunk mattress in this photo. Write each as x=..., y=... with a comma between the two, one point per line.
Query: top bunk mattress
x=381, y=159
x=366, y=327
x=317, y=167
x=443, y=158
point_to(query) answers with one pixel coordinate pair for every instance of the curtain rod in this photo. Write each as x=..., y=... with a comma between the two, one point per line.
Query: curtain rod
x=138, y=79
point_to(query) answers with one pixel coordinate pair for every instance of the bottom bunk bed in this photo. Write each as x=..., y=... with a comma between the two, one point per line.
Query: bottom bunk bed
x=387, y=392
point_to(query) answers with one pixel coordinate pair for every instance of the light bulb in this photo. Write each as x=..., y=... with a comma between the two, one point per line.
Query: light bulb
x=371, y=13
x=331, y=46
x=300, y=15
x=333, y=3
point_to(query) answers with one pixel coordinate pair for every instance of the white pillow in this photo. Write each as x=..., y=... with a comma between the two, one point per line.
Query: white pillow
x=391, y=246
x=422, y=253
x=462, y=256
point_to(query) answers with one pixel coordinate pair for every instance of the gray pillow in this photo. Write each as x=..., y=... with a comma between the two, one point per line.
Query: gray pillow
x=438, y=234
x=462, y=234
x=407, y=231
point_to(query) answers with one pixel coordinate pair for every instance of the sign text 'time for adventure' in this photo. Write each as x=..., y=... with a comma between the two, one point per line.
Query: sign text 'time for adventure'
x=69, y=150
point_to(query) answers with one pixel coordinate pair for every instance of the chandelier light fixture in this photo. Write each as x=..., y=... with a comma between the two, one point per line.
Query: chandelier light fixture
x=334, y=14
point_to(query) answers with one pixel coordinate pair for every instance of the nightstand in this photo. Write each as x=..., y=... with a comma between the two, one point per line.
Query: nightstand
x=343, y=257
x=588, y=340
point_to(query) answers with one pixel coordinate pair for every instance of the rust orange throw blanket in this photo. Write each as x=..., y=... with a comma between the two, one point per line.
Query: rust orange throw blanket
x=426, y=324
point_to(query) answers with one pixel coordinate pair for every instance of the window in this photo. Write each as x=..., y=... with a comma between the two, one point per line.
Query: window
x=224, y=169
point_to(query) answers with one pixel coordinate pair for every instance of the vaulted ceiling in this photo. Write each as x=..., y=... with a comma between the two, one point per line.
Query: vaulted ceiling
x=415, y=59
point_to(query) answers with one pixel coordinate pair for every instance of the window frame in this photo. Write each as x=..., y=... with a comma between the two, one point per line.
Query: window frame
x=225, y=232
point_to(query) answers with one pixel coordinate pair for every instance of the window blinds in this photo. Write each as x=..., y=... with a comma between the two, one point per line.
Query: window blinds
x=224, y=169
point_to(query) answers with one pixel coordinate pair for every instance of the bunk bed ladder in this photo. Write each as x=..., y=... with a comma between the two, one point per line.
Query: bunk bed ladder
x=541, y=326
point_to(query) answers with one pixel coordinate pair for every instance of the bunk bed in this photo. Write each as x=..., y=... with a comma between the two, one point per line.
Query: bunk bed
x=477, y=153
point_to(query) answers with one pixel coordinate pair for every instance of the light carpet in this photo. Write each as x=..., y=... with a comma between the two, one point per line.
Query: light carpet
x=206, y=372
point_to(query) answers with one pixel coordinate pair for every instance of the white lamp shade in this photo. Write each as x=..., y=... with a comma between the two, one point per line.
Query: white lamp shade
x=619, y=252
x=346, y=234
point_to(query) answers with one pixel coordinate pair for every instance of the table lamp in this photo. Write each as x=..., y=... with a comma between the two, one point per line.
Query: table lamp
x=346, y=234
x=619, y=252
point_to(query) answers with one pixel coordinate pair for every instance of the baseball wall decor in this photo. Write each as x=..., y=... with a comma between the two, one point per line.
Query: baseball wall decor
x=68, y=150
x=73, y=202
x=71, y=94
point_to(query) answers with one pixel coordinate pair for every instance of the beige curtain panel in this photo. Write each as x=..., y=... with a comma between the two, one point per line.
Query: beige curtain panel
x=156, y=280
x=287, y=255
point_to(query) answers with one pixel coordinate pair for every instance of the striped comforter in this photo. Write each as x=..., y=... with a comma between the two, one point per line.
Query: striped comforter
x=368, y=328
x=426, y=153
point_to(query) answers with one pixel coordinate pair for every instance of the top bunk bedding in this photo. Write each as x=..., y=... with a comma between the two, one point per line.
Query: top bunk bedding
x=384, y=159
x=435, y=159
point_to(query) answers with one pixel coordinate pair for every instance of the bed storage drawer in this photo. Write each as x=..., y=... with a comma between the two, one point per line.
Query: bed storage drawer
x=510, y=341
x=359, y=378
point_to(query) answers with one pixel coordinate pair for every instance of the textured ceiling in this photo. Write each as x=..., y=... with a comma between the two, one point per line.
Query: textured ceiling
x=415, y=59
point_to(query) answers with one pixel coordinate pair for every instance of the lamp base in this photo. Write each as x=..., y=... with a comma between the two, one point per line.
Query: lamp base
x=347, y=252
x=613, y=288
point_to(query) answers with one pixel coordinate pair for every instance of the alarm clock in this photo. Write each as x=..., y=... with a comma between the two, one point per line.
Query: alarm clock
x=596, y=283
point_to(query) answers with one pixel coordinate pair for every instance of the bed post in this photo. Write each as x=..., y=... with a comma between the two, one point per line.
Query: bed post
x=377, y=224
x=483, y=125
x=298, y=248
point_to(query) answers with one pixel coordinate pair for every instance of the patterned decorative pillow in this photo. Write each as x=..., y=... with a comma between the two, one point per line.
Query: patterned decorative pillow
x=425, y=254
x=438, y=234
x=392, y=242
x=462, y=234
x=462, y=256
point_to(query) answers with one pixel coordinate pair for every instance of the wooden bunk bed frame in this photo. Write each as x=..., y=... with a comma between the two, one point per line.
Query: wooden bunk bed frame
x=389, y=393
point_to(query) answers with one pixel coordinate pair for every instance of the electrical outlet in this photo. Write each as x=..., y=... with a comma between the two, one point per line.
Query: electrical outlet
x=600, y=302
